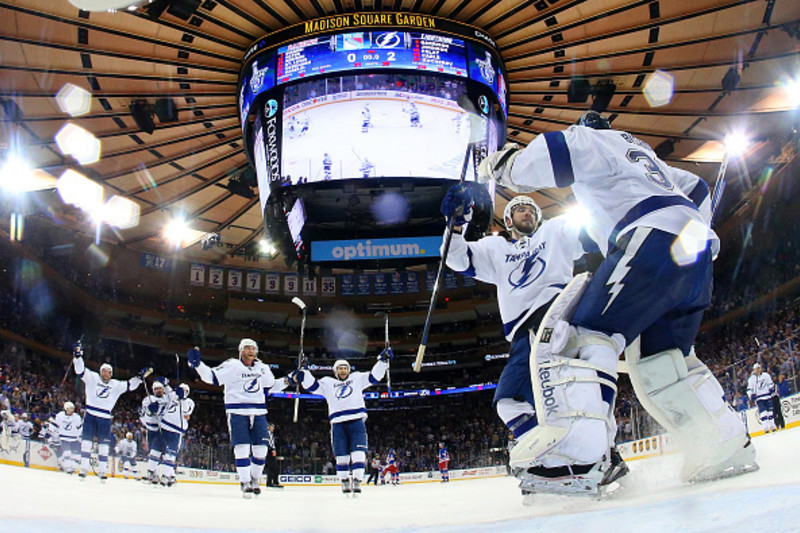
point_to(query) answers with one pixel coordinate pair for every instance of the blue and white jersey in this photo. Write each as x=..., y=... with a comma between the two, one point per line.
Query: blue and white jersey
x=69, y=427
x=24, y=428
x=150, y=420
x=345, y=397
x=126, y=449
x=528, y=273
x=444, y=455
x=761, y=386
x=244, y=385
x=102, y=396
x=617, y=178
x=176, y=417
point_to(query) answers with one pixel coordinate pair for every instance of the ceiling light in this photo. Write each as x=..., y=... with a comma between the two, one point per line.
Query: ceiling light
x=79, y=143
x=736, y=143
x=15, y=173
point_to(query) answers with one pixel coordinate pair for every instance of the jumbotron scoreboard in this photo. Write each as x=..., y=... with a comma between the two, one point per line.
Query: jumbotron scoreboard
x=353, y=125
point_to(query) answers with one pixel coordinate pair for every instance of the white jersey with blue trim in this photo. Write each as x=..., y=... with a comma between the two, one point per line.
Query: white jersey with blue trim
x=126, y=448
x=762, y=387
x=345, y=397
x=176, y=417
x=150, y=420
x=244, y=385
x=102, y=396
x=528, y=273
x=617, y=178
x=69, y=427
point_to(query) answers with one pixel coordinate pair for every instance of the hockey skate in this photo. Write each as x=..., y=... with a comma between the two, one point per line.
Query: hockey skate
x=82, y=476
x=742, y=461
x=103, y=478
x=247, y=490
x=356, y=488
x=346, y=490
x=256, y=487
x=152, y=477
x=616, y=470
x=568, y=480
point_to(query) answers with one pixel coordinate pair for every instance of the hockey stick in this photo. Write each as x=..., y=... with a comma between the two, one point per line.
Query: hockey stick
x=353, y=148
x=386, y=347
x=719, y=185
x=300, y=356
x=475, y=134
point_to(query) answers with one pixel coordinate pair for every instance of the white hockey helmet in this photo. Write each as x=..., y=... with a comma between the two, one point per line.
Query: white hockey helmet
x=244, y=343
x=516, y=202
x=24, y=416
x=106, y=366
x=186, y=389
x=129, y=435
x=157, y=385
x=68, y=406
x=756, y=366
x=337, y=364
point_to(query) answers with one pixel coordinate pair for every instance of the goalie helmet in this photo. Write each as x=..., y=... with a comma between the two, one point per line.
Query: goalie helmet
x=244, y=343
x=594, y=120
x=68, y=406
x=337, y=364
x=513, y=204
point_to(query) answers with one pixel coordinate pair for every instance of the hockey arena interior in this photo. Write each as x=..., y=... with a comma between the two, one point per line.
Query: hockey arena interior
x=274, y=265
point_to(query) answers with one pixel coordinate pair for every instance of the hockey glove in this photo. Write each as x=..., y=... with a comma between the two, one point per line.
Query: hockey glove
x=295, y=377
x=457, y=203
x=161, y=379
x=77, y=350
x=386, y=355
x=753, y=398
x=152, y=408
x=180, y=392
x=193, y=356
x=497, y=165
x=146, y=371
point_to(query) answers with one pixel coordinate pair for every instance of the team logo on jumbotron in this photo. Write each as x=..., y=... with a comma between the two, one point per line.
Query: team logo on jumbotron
x=487, y=70
x=271, y=107
x=483, y=103
x=257, y=81
x=388, y=40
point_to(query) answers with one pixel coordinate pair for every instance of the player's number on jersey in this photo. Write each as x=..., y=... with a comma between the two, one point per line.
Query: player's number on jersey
x=654, y=172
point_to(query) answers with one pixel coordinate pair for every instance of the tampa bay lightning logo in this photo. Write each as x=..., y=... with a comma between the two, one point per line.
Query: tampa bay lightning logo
x=103, y=391
x=388, y=40
x=487, y=70
x=344, y=391
x=483, y=103
x=67, y=426
x=526, y=272
x=257, y=81
x=252, y=386
x=271, y=107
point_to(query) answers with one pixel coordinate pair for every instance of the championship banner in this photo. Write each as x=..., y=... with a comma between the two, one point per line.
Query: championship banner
x=309, y=287
x=397, y=285
x=215, y=277
x=291, y=284
x=272, y=283
x=412, y=282
x=430, y=280
x=234, y=280
x=197, y=275
x=348, y=285
x=362, y=287
x=254, y=282
x=450, y=279
x=379, y=284
x=468, y=281
x=328, y=286
x=155, y=262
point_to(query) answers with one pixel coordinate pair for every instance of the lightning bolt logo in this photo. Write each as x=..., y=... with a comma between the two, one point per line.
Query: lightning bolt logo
x=622, y=268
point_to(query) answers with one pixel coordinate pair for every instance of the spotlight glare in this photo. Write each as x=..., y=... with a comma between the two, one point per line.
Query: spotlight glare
x=121, y=212
x=578, y=216
x=659, y=88
x=79, y=143
x=78, y=190
x=73, y=100
x=736, y=143
x=15, y=174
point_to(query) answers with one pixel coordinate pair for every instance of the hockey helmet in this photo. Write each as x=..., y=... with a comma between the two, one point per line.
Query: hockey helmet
x=757, y=366
x=157, y=385
x=68, y=406
x=244, y=343
x=106, y=366
x=337, y=364
x=186, y=389
x=129, y=435
x=594, y=120
x=516, y=202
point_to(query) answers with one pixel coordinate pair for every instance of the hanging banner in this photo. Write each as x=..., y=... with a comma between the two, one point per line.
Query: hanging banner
x=412, y=282
x=397, y=286
x=450, y=279
x=291, y=284
x=156, y=262
x=362, y=288
x=197, y=275
x=215, y=277
x=467, y=281
x=430, y=280
x=254, y=282
x=234, y=280
x=328, y=286
x=348, y=285
x=380, y=286
x=272, y=283
x=309, y=287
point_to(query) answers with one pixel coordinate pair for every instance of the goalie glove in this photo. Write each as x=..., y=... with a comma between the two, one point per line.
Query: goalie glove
x=497, y=166
x=457, y=203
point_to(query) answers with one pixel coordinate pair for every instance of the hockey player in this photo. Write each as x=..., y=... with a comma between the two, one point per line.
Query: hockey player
x=102, y=393
x=174, y=424
x=68, y=424
x=651, y=222
x=126, y=452
x=24, y=427
x=245, y=379
x=444, y=463
x=760, y=389
x=392, y=468
x=327, y=167
x=304, y=125
x=347, y=413
x=366, y=119
x=153, y=408
x=413, y=114
x=366, y=168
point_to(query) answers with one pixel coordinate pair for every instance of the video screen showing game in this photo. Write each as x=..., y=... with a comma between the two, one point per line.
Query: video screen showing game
x=373, y=126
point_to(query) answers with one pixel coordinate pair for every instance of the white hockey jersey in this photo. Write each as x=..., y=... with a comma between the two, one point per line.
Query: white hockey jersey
x=345, y=398
x=126, y=449
x=176, y=417
x=528, y=273
x=101, y=396
x=244, y=385
x=617, y=178
x=69, y=427
x=150, y=420
x=761, y=386
x=24, y=428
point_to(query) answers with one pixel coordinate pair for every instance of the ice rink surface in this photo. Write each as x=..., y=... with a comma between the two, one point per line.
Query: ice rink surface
x=652, y=499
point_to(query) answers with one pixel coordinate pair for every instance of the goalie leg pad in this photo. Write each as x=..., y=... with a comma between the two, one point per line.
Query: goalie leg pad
x=567, y=391
x=684, y=396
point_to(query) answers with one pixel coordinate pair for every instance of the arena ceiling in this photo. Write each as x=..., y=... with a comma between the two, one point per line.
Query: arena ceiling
x=729, y=61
